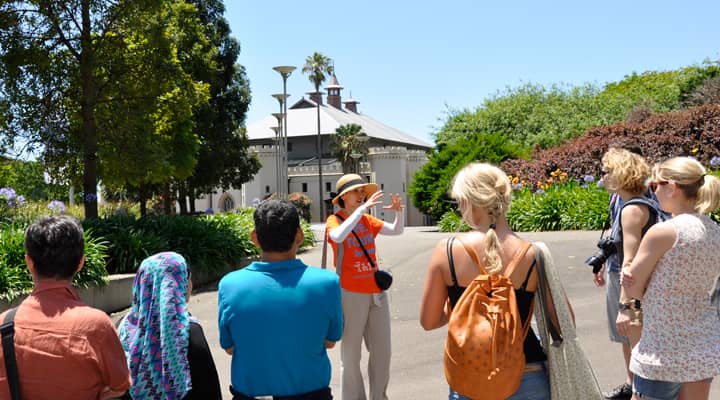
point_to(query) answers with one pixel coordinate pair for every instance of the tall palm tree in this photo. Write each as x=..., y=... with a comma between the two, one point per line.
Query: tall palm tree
x=318, y=66
x=348, y=144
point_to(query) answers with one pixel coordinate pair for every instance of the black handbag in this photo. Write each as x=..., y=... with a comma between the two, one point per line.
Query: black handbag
x=383, y=278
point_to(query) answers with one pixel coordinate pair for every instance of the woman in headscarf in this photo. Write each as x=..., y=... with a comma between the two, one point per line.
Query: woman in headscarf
x=165, y=346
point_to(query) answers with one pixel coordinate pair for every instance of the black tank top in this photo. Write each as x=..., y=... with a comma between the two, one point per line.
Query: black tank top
x=531, y=347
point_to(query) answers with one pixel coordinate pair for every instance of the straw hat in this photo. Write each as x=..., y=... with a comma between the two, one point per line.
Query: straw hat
x=350, y=182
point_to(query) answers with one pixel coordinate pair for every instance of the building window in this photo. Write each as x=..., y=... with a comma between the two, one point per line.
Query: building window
x=267, y=189
x=304, y=187
x=227, y=203
x=328, y=186
x=289, y=147
x=382, y=186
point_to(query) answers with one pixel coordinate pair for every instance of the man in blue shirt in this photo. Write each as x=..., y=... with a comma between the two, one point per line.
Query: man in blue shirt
x=277, y=316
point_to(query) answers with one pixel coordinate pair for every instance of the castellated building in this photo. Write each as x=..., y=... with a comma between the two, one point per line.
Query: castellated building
x=392, y=160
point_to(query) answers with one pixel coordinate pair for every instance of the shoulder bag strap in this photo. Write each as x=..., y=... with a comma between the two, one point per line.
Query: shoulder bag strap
x=323, y=262
x=547, y=303
x=372, y=264
x=8, y=344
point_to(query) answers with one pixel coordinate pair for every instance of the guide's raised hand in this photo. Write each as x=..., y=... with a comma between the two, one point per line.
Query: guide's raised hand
x=374, y=199
x=395, y=203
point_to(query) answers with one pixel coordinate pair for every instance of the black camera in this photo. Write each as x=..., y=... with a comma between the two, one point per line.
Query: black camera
x=607, y=246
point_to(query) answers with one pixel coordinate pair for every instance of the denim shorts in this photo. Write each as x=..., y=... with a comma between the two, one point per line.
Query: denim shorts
x=612, y=300
x=657, y=390
x=535, y=385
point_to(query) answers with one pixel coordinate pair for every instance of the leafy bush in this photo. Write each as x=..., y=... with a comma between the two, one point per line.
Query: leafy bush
x=565, y=206
x=15, y=278
x=694, y=132
x=430, y=185
x=303, y=203
x=452, y=222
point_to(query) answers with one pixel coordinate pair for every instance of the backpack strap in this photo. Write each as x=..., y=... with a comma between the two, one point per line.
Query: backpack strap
x=8, y=345
x=451, y=262
x=473, y=255
x=519, y=255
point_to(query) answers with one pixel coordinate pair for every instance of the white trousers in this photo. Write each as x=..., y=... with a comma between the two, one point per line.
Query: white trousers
x=367, y=316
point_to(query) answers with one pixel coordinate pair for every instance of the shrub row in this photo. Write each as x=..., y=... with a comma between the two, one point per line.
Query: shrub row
x=692, y=132
x=118, y=244
x=15, y=278
x=565, y=206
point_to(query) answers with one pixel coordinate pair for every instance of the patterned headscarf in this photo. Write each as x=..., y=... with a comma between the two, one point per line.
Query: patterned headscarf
x=156, y=331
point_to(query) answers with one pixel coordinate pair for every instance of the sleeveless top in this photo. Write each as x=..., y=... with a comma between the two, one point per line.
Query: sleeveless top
x=681, y=328
x=531, y=347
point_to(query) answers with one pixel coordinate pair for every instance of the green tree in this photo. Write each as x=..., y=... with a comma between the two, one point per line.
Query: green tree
x=317, y=66
x=429, y=188
x=348, y=144
x=223, y=159
x=100, y=87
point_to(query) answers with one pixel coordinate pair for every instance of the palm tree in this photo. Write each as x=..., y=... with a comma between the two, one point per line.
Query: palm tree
x=349, y=143
x=318, y=66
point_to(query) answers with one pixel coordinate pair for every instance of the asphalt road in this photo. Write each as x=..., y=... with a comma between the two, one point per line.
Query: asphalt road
x=417, y=369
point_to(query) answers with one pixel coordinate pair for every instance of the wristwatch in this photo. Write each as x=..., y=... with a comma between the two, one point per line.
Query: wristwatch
x=634, y=304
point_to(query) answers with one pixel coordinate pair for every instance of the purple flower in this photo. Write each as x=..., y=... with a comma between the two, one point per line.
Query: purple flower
x=692, y=158
x=20, y=200
x=209, y=211
x=517, y=186
x=7, y=194
x=600, y=183
x=90, y=197
x=715, y=162
x=588, y=178
x=540, y=191
x=57, y=206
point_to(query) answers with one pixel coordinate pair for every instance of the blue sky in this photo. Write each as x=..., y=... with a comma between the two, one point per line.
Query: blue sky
x=408, y=62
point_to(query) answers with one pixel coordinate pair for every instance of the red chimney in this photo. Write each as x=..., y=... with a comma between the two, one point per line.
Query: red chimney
x=333, y=90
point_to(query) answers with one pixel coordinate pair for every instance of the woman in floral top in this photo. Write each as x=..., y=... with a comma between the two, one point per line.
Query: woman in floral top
x=671, y=288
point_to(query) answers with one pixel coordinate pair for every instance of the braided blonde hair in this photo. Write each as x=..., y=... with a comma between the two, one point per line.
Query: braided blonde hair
x=487, y=187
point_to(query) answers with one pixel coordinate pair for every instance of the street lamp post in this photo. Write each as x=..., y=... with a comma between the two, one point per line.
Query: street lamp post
x=284, y=71
x=279, y=189
x=278, y=156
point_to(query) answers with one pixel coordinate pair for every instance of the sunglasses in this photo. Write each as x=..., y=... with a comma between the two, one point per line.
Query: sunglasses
x=654, y=185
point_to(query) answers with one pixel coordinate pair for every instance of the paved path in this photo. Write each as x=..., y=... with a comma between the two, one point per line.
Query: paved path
x=417, y=371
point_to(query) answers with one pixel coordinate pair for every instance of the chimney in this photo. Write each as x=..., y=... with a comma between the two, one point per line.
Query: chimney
x=333, y=90
x=351, y=104
x=316, y=97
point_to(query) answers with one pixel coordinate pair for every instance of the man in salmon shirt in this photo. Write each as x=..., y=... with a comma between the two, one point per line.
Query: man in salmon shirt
x=365, y=305
x=64, y=348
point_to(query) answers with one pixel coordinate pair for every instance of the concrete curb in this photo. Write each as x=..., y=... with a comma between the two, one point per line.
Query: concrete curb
x=117, y=295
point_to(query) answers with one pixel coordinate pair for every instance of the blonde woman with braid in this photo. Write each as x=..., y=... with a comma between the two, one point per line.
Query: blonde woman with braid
x=483, y=194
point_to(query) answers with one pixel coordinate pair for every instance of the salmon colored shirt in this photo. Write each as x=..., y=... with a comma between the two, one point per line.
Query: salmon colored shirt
x=356, y=273
x=65, y=349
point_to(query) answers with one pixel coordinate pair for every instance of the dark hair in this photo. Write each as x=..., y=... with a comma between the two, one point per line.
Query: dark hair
x=341, y=202
x=276, y=224
x=55, y=245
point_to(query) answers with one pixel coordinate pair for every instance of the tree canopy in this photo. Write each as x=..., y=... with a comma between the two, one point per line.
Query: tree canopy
x=130, y=92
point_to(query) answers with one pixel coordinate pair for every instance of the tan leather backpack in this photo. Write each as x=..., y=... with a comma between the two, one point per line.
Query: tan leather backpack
x=484, y=356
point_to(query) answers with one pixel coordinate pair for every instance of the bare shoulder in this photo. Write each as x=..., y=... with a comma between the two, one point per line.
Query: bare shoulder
x=660, y=237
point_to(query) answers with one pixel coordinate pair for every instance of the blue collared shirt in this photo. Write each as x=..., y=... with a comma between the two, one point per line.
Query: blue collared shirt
x=277, y=316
